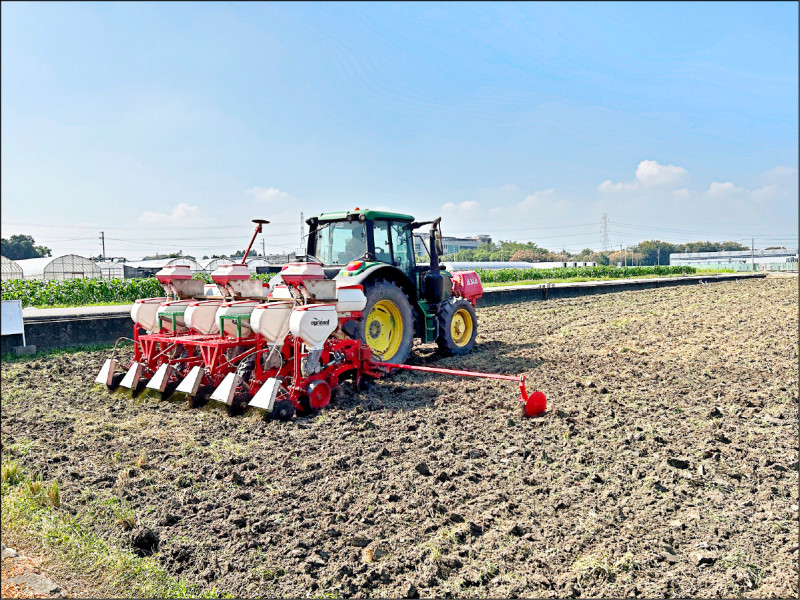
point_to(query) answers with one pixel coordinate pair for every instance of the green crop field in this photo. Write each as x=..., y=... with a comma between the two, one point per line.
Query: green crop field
x=82, y=292
x=602, y=272
x=79, y=292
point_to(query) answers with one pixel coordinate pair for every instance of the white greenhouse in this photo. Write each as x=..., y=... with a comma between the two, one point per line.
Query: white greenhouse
x=212, y=265
x=10, y=269
x=253, y=263
x=152, y=266
x=111, y=270
x=68, y=266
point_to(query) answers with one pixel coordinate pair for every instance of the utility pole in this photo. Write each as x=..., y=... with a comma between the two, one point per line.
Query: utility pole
x=658, y=254
x=302, y=232
x=753, y=252
x=103, y=242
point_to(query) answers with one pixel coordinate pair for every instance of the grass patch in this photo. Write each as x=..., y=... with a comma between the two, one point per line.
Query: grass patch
x=599, y=568
x=30, y=511
x=11, y=473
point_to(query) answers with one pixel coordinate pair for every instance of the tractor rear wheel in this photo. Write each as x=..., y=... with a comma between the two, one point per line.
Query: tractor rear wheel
x=388, y=323
x=458, y=327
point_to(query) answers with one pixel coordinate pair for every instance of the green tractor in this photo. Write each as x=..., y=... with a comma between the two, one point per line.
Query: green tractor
x=405, y=300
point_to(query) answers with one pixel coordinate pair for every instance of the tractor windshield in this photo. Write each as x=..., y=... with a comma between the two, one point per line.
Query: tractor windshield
x=339, y=242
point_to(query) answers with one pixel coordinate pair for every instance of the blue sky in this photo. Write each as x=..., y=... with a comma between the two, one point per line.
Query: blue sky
x=170, y=125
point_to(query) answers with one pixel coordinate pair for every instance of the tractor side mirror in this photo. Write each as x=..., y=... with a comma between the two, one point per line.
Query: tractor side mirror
x=439, y=245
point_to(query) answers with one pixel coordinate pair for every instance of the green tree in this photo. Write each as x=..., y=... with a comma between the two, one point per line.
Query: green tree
x=466, y=255
x=732, y=246
x=19, y=247
x=524, y=256
x=711, y=246
x=655, y=252
x=598, y=257
x=482, y=255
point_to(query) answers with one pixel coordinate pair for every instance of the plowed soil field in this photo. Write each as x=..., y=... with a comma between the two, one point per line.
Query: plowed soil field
x=666, y=464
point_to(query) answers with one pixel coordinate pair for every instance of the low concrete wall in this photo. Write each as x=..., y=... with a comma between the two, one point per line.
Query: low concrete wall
x=523, y=293
x=9, y=342
x=98, y=325
x=47, y=333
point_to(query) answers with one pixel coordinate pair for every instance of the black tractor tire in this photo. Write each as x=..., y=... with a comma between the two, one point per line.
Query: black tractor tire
x=457, y=339
x=369, y=328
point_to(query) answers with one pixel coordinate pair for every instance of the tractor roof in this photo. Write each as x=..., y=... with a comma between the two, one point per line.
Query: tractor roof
x=368, y=214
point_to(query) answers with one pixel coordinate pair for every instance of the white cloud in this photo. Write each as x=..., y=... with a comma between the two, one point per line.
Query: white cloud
x=267, y=195
x=542, y=204
x=781, y=171
x=504, y=219
x=538, y=199
x=649, y=172
x=682, y=194
x=719, y=189
x=467, y=205
x=183, y=214
x=609, y=186
x=765, y=193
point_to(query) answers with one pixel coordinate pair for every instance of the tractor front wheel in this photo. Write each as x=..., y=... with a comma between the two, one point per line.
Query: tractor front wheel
x=458, y=327
x=388, y=323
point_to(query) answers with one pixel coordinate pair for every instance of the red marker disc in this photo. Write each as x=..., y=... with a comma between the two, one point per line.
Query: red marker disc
x=536, y=404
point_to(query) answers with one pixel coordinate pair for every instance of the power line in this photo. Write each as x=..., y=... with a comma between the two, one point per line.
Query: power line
x=686, y=231
x=139, y=227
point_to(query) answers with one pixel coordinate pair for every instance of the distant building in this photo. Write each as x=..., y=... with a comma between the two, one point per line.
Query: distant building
x=451, y=244
x=148, y=268
x=469, y=266
x=733, y=257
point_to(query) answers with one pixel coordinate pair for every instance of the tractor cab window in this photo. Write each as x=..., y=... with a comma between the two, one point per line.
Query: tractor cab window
x=401, y=244
x=383, y=249
x=339, y=242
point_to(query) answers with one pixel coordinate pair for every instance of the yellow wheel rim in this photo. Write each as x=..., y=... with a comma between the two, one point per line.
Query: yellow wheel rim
x=461, y=328
x=384, y=329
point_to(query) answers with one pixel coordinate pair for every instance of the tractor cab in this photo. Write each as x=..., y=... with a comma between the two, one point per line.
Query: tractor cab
x=370, y=236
